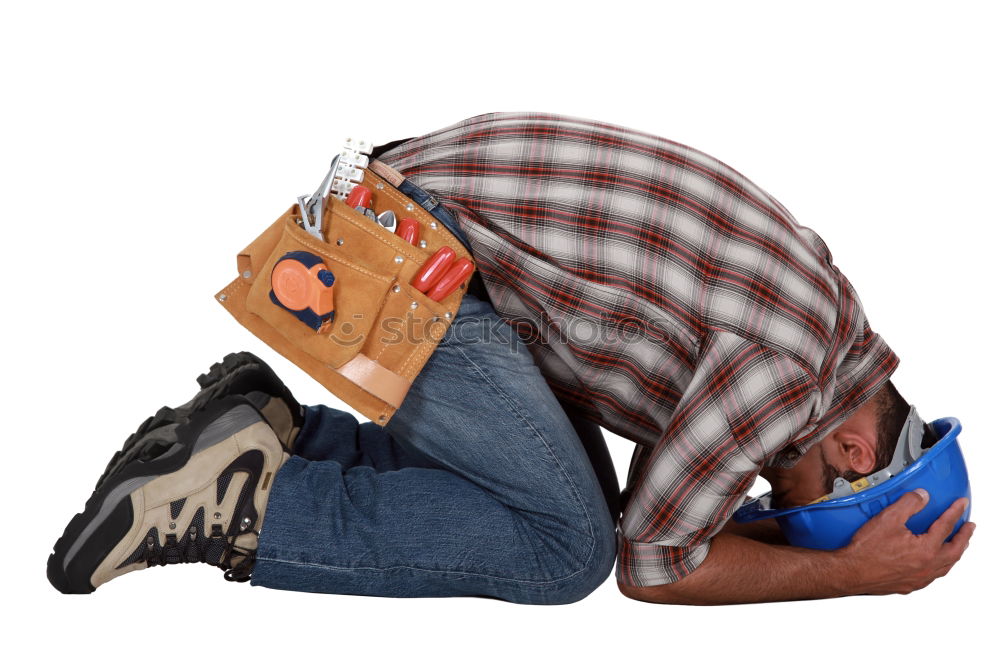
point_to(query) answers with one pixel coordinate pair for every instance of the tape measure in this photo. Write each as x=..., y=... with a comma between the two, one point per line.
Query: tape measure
x=302, y=284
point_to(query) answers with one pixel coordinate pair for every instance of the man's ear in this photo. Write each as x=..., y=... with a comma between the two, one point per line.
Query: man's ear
x=857, y=448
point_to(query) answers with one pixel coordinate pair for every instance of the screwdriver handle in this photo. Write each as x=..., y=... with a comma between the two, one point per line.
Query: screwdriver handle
x=359, y=196
x=433, y=269
x=409, y=230
x=456, y=275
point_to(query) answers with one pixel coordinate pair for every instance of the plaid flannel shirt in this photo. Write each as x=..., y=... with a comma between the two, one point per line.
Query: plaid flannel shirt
x=666, y=297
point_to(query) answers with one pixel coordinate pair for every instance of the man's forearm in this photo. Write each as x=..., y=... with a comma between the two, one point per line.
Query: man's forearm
x=742, y=570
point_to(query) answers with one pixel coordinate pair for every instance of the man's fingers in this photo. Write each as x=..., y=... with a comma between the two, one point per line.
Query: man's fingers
x=952, y=551
x=906, y=506
x=941, y=573
x=946, y=522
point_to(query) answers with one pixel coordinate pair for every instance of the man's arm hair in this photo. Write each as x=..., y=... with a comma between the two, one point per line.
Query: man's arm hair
x=742, y=570
x=884, y=557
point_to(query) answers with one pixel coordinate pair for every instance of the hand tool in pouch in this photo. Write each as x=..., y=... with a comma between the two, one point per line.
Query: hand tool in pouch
x=459, y=272
x=388, y=220
x=341, y=181
x=433, y=269
x=311, y=208
x=300, y=281
x=360, y=199
x=409, y=230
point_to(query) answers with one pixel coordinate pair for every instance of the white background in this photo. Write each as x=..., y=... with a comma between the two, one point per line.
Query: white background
x=144, y=145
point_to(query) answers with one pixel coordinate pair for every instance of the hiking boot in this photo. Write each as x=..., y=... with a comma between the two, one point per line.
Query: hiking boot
x=237, y=374
x=192, y=489
x=245, y=374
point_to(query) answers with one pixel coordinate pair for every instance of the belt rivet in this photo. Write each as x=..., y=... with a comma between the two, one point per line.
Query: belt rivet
x=423, y=243
x=218, y=515
x=398, y=259
x=447, y=315
x=222, y=297
x=413, y=305
x=395, y=289
x=247, y=275
x=434, y=225
x=409, y=206
x=340, y=241
x=379, y=186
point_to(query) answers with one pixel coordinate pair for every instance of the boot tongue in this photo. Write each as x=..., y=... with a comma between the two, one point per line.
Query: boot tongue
x=244, y=542
x=277, y=412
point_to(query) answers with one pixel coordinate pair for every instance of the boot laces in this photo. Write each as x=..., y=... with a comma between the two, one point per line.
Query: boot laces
x=218, y=549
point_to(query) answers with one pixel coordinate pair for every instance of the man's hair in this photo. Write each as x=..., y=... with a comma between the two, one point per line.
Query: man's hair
x=890, y=415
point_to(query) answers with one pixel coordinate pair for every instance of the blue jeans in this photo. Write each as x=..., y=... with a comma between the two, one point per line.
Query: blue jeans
x=479, y=485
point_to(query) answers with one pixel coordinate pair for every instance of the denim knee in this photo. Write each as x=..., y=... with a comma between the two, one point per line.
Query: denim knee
x=592, y=572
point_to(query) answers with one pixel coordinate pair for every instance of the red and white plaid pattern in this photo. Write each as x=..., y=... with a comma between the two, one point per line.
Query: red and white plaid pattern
x=667, y=297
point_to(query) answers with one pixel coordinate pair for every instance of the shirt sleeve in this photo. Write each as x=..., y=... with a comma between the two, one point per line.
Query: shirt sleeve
x=744, y=403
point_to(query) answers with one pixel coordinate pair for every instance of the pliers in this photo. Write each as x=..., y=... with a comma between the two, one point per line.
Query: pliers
x=311, y=208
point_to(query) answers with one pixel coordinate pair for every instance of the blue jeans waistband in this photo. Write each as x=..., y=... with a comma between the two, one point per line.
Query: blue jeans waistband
x=430, y=203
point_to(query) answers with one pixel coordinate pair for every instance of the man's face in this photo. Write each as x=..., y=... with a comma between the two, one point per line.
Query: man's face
x=801, y=484
x=849, y=451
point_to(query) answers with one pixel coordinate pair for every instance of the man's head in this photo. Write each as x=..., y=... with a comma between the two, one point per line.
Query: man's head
x=861, y=445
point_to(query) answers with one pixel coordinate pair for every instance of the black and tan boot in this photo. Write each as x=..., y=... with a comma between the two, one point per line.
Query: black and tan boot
x=244, y=374
x=191, y=489
x=241, y=373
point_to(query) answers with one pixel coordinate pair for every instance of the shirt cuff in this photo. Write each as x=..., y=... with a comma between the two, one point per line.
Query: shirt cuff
x=648, y=564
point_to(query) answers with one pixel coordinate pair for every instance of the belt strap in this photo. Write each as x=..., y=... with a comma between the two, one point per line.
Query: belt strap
x=376, y=379
x=391, y=176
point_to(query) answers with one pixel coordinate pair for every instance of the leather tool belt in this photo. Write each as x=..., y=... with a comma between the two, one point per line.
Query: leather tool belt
x=382, y=330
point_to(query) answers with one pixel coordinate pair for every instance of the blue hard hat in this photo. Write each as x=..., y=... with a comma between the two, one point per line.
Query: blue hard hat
x=830, y=522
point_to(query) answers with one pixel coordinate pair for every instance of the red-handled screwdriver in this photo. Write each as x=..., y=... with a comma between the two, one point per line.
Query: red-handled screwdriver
x=433, y=269
x=456, y=275
x=359, y=196
x=409, y=230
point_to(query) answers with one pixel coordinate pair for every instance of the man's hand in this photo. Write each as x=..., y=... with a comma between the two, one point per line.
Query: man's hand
x=886, y=558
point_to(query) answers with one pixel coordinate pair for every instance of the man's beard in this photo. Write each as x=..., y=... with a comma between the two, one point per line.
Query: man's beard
x=830, y=473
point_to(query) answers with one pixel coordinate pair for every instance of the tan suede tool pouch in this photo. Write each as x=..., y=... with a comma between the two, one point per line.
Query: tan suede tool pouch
x=384, y=330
